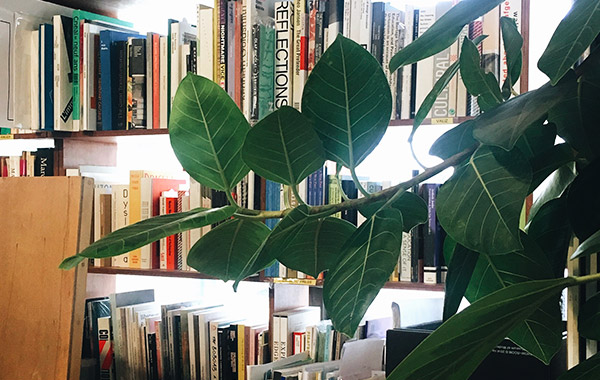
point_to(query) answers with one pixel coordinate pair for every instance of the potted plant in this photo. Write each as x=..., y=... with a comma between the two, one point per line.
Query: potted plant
x=500, y=157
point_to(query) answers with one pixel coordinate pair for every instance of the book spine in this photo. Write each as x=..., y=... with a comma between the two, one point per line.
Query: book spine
x=312, y=31
x=155, y=98
x=146, y=213
x=345, y=27
x=276, y=332
x=137, y=79
x=173, y=65
x=205, y=41
x=120, y=116
x=135, y=207
x=222, y=46
x=425, y=68
x=246, y=57
x=414, y=67
x=406, y=257
x=77, y=56
x=242, y=351
x=461, y=90
x=335, y=17
x=105, y=346
x=390, y=47
x=163, y=100
x=162, y=253
x=171, y=240
x=366, y=17
x=319, y=37
x=63, y=73
x=298, y=81
x=441, y=62
x=284, y=13
x=237, y=53
x=377, y=31
x=230, y=52
x=429, y=193
x=120, y=218
x=214, y=350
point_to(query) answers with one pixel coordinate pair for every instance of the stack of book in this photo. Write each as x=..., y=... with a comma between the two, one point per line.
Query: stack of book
x=39, y=163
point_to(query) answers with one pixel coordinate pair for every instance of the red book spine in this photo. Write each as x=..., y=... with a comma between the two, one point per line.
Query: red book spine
x=312, y=32
x=155, y=81
x=171, y=240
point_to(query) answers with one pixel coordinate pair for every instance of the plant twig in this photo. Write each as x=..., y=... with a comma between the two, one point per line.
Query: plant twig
x=355, y=203
x=358, y=184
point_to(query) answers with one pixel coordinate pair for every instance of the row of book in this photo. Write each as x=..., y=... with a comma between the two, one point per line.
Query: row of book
x=130, y=336
x=92, y=72
x=39, y=163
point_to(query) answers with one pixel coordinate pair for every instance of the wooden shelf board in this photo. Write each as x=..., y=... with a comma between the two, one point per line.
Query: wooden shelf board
x=197, y=275
x=91, y=134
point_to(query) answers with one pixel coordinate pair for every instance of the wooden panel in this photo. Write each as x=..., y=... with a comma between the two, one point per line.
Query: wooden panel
x=44, y=220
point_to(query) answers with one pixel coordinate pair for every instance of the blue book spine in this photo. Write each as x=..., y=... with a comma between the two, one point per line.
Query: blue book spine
x=109, y=74
x=319, y=193
x=272, y=194
x=47, y=114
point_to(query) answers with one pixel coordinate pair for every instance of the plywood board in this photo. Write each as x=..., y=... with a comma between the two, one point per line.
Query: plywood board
x=43, y=220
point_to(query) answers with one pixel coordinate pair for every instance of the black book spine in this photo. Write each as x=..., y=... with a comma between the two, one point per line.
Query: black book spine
x=232, y=353
x=413, y=85
x=377, y=31
x=193, y=57
x=222, y=344
x=319, y=32
x=120, y=111
x=176, y=360
x=430, y=231
x=44, y=163
x=351, y=192
x=152, y=358
x=137, y=76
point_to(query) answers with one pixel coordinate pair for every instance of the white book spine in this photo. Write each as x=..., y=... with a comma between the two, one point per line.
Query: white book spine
x=247, y=18
x=283, y=337
x=84, y=109
x=284, y=50
x=407, y=71
x=275, y=350
x=205, y=41
x=366, y=24
x=175, y=57
x=355, y=16
x=163, y=83
x=425, y=67
x=146, y=213
x=35, y=79
x=346, y=23
x=214, y=350
x=42, y=68
x=390, y=47
x=299, y=28
x=120, y=200
x=441, y=63
x=405, y=257
x=461, y=90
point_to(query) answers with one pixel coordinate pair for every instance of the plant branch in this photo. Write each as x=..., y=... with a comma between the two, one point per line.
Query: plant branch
x=589, y=278
x=358, y=184
x=297, y=195
x=355, y=203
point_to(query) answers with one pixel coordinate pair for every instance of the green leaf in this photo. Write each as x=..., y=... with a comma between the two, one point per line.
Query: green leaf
x=348, y=99
x=589, y=102
x=469, y=336
x=537, y=138
x=570, y=39
x=551, y=231
x=484, y=198
x=548, y=162
x=583, y=201
x=316, y=246
x=461, y=263
x=71, y=262
x=590, y=246
x=513, y=43
x=147, y=231
x=366, y=262
x=432, y=96
x=586, y=370
x=540, y=334
x=588, y=322
x=412, y=207
x=225, y=250
x=207, y=132
x=283, y=147
x=554, y=188
x=454, y=141
x=478, y=82
x=505, y=124
x=443, y=33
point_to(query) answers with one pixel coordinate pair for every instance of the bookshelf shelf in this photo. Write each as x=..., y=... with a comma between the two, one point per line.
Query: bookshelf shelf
x=435, y=121
x=90, y=134
x=201, y=276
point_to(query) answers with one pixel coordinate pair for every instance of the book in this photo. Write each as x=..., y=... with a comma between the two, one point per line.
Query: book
x=136, y=84
x=284, y=42
x=46, y=77
x=205, y=40
x=265, y=101
x=291, y=321
x=63, y=73
x=120, y=218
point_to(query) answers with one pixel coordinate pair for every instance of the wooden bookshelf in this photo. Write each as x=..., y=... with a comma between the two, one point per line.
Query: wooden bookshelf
x=89, y=134
x=260, y=278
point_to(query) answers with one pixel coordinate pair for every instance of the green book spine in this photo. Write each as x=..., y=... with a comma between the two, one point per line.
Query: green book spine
x=266, y=74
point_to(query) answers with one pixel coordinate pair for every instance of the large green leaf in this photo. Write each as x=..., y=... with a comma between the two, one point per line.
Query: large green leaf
x=583, y=201
x=348, y=98
x=480, y=205
x=443, y=33
x=537, y=138
x=570, y=39
x=589, y=103
x=457, y=347
x=412, y=207
x=454, y=141
x=549, y=161
x=551, y=231
x=147, y=231
x=283, y=147
x=513, y=43
x=224, y=250
x=586, y=370
x=540, y=334
x=207, y=132
x=589, y=246
x=366, y=262
x=478, y=82
x=589, y=318
x=505, y=124
x=461, y=263
x=316, y=246
x=554, y=188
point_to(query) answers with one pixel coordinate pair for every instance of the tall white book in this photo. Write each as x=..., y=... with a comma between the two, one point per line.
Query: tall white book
x=204, y=30
x=407, y=71
x=284, y=50
x=442, y=107
x=425, y=67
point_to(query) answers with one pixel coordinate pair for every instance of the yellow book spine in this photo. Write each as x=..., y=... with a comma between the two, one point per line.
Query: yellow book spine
x=135, y=215
x=241, y=357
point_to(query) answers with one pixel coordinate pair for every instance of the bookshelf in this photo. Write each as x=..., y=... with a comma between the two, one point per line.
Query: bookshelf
x=73, y=149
